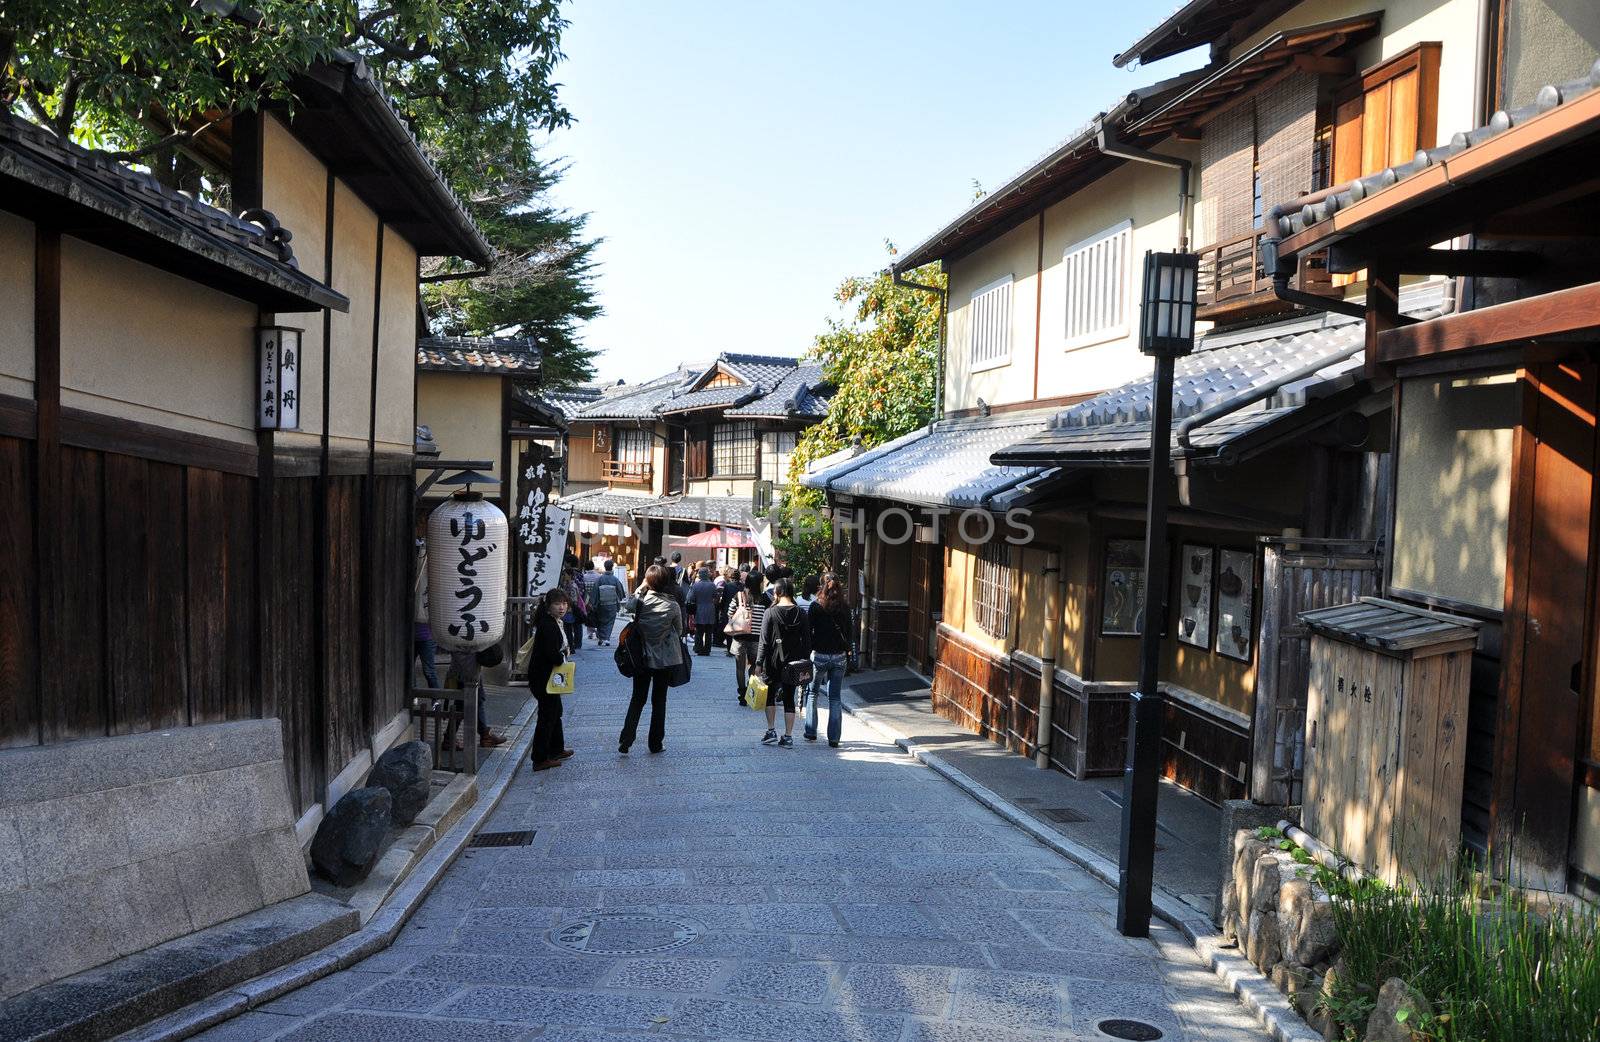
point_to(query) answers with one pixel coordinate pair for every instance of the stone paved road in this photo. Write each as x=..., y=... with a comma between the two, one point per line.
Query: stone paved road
x=729, y=890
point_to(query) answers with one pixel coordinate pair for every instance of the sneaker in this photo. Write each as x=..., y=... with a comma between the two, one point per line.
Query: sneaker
x=833, y=745
x=743, y=702
x=770, y=738
x=786, y=742
x=811, y=737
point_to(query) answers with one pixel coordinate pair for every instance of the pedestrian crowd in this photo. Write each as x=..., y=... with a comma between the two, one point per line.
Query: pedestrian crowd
x=791, y=647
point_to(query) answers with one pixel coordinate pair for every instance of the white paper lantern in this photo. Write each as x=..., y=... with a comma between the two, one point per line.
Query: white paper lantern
x=468, y=544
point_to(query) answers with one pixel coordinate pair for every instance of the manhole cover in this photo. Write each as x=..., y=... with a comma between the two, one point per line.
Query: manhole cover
x=1137, y=1030
x=1064, y=815
x=623, y=934
x=502, y=839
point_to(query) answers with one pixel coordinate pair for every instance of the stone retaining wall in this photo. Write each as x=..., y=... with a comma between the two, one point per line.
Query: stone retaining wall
x=113, y=845
x=1281, y=920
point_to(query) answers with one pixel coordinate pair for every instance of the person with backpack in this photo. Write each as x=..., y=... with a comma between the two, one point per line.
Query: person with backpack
x=605, y=599
x=745, y=614
x=784, y=656
x=658, y=617
x=831, y=627
x=577, y=608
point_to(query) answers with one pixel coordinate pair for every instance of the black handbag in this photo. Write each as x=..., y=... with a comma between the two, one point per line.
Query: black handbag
x=797, y=673
x=682, y=672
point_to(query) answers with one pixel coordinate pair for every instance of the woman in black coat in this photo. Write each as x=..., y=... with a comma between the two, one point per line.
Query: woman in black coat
x=549, y=651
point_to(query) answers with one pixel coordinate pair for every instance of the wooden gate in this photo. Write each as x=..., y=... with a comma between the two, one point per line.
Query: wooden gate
x=1296, y=575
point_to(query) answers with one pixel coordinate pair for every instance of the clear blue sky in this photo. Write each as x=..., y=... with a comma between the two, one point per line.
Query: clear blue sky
x=741, y=158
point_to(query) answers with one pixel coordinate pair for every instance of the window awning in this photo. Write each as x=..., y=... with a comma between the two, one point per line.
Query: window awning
x=946, y=464
x=1274, y=59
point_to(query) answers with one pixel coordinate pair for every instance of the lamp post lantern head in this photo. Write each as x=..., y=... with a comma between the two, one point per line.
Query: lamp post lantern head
x=1166, y=321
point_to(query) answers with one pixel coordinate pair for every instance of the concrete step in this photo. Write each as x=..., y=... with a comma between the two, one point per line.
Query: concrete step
x=108, y=1000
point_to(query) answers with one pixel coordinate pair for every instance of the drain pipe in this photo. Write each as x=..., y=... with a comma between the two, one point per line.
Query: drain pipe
x=944, y=314
x=1047, y=661
x=1112, y=147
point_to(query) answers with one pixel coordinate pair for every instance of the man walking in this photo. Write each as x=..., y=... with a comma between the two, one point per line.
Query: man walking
x=606, y=598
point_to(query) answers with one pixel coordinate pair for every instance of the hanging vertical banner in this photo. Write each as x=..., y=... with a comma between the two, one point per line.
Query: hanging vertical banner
x=278, y=378
x=541, y=524
x=761, y=532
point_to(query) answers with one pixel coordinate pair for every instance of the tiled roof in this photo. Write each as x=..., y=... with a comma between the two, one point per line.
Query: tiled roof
x=718, y=510
x=1549, y=97
x=637, y=401
x=710, y=398
x=493, y=355
x=251, y=260
x=946, y=464
x=1115, y=426
x=772, y=382
x=568, y=401
x=801, y=394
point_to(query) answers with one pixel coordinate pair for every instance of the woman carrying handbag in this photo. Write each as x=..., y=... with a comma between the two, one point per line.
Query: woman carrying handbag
x=549, y=653
x=658, y=614
x=783, y=654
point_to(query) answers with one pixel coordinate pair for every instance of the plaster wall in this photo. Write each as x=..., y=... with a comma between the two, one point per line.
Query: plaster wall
x=140, y=344
x=463, y=409
x=294, y=186
x=16, y=306
x=1548, y=41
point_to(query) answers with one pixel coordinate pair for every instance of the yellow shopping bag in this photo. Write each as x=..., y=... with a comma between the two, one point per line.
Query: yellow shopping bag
x=756, y=693
x=562, y=679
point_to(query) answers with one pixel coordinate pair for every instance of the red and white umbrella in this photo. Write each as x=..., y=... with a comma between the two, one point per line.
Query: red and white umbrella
x=718, y=539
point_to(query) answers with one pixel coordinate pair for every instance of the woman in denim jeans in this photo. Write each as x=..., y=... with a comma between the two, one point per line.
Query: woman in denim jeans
x=831, y=627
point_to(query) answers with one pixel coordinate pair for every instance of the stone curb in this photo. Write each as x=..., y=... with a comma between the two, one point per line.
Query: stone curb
x=494, y=779
x=1252, y=988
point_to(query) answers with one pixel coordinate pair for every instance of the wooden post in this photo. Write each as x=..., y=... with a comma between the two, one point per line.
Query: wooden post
x=1047, y=669
x=47, y=500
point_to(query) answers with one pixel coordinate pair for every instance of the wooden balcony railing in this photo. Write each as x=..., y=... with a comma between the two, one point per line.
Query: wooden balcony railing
x=1232, y=283
x=626, y=470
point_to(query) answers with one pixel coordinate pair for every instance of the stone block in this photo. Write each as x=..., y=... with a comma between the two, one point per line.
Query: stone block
x=163, y=817
x=41, y=774
x=1395, y=997
x=1228, y=909
x=13, y=872
x=1263, y=943
x=219, y=880
x=1305, y=912
x=407, y=772
x=145, y=904
x=244, y=801
x=280, y=865
x=1271, y=871
x=72, y=836
x=1247, y=851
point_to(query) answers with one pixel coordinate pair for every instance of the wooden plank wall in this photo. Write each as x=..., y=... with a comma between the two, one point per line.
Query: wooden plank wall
x=971, y=685
x=163, y=621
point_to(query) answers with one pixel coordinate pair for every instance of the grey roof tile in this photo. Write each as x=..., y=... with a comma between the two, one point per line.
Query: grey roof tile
x=1116, y=425
x=802, y=393
x=494, y=355
x=946, y=464
x=567, y=402
x=1548, y=98
x=36, y=159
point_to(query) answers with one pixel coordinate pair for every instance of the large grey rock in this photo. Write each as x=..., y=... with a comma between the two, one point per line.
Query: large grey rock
x=1263, y=943
x=1305, y=913
x=407, y=772
x=350, y=837
x=1247, y=850
x=1399, y=1012
x=1239, y=820
x=1271, y=872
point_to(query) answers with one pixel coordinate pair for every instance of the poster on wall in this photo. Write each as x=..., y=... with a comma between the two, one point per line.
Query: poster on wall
x=1236, y=607
x=1194, y=595
x=1122, y=596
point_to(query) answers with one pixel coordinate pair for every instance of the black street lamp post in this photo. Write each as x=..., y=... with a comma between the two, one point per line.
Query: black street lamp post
x=1166, y=332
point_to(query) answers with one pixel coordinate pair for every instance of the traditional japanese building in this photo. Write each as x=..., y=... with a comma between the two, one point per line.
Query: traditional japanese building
x=206, y=449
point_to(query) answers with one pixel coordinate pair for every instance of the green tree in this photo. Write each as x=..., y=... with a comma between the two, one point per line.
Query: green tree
x=883, y=359
x=542, y=280
x=150, y=77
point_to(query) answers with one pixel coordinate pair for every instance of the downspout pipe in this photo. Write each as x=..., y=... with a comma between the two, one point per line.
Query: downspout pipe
x=1110, y=146
x=944, y=313
x=1281, y=269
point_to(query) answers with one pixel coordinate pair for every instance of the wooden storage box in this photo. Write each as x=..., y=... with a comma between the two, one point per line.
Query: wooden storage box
x=1386, y=733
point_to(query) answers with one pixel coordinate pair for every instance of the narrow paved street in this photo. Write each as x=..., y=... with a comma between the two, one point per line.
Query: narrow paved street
x=728, y=890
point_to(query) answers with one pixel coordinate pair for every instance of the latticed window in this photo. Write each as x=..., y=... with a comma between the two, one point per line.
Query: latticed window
x=1096, y=273
x=991, y=588
x=776, y=448
x=990, y=322
x=734, y=449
